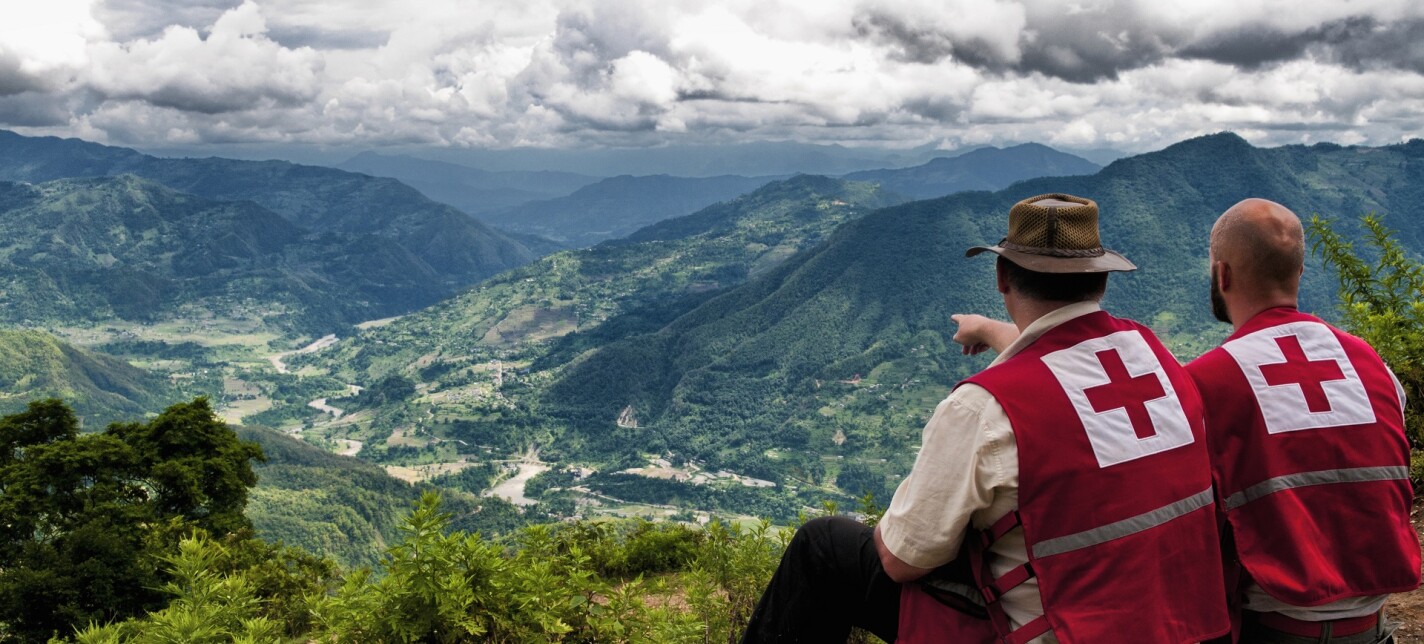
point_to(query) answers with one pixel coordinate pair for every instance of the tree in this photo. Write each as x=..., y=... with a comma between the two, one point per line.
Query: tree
x=197, y=467
x=1382, y=301
x=82, y=516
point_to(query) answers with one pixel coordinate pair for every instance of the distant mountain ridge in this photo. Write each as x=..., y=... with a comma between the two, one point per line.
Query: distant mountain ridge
x=470, y=189
x=617, y=206
x=987, y=168
x=458, y=248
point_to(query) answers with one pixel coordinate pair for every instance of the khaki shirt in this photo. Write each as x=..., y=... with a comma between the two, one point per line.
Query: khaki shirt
x=967, y=473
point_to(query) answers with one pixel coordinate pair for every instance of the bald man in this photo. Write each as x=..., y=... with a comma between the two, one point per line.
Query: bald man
x=1305, y=424
x=1306, y=428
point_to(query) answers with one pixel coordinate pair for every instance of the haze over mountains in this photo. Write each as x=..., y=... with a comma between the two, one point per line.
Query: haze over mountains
x=986, y=168
x=470, y=189
x=588, y=211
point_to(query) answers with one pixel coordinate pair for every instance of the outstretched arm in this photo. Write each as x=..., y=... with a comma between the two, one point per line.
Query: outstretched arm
x=978, y=333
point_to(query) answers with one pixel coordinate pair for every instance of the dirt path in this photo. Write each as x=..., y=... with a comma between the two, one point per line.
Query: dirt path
x=1408, y=608
x=349, y=447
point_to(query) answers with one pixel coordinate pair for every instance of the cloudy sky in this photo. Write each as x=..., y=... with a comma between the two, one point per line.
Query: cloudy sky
x=554, y=73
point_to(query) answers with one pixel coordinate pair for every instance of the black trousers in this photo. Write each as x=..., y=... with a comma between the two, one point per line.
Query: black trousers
x=829, y=580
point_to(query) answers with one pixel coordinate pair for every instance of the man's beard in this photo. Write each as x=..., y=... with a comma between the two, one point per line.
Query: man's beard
x=1218, y=303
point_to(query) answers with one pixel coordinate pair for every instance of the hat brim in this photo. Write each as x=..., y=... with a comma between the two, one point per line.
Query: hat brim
x=1108, y=262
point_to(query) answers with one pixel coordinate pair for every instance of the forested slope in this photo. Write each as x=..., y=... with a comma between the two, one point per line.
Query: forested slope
x=84, y=250
x=101, y=389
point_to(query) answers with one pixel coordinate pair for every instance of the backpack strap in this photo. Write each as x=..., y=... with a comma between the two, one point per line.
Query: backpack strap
x=993, y=588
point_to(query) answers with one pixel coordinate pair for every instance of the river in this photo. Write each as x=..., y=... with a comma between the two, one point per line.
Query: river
x=320, y=343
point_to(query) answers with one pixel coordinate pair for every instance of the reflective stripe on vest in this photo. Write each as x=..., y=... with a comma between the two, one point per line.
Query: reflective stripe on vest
x=1125, y=527
x=1321, y=477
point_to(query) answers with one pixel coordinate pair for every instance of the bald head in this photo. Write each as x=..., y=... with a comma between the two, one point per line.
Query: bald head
x=1263, y=242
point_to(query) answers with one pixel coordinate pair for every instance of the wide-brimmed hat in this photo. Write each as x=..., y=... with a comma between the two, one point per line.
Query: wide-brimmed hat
x=1056, y=233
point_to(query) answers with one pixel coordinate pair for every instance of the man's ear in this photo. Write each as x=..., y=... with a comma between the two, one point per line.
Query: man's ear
x=1224, y=278
x=1001, y=280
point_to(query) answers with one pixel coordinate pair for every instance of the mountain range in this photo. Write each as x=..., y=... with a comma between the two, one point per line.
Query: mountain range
x=127, y=248
x=614, y=207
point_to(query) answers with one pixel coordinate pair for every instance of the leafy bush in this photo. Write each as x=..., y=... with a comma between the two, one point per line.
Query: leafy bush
x=1382, y=301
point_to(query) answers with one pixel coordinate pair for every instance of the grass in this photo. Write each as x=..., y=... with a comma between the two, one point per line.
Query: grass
x=531, y=323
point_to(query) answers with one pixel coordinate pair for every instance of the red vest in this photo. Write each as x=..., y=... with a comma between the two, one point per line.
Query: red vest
x=1310, y=459
x=1115, y=494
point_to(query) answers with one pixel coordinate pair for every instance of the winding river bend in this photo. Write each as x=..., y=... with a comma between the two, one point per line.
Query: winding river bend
x=512, y=488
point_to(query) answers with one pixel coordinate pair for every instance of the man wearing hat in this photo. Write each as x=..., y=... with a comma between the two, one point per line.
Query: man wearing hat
x=1062, y=494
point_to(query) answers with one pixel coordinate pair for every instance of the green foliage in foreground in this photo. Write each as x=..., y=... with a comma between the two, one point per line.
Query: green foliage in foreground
x=349, y=510
x=82, y=517
x=584, y=582
x=1382, y=300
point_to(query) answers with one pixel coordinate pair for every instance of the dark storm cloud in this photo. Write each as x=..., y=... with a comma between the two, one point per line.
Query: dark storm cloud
x=1076, y=46
x=1398, y=45
x=1360, y=42
x=1090, y=46
x=918, y=43
x=1083, y=50
x=33, y=110
x=13, y=79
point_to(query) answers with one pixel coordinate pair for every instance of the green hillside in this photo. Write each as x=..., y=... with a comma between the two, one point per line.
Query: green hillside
x=100, y=388
x=642, y=283
x=84, y=250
